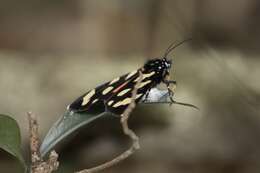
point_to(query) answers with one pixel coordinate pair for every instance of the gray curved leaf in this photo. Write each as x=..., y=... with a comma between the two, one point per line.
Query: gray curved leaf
x=66, y=125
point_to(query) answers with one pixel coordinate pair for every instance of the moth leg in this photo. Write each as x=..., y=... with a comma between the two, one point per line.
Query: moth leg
x=168, y=82
x=185, y=104
x=170, y=90
x=157, y=102
x=171, y=93
x=147, y=94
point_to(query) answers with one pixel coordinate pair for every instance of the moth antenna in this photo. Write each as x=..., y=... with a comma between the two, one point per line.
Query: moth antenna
x=185, y=104
x=172, y=46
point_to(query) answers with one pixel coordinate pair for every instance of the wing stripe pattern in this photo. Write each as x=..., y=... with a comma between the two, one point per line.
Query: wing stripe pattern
x=107, y=90
x=148, y=75
x=142, y=84
x=120, y=87
x=110, y=102
x=114, y=80
x=131, y=74
x=87, y=98
x=123, y=92
x=124, y=102
x=116, y=94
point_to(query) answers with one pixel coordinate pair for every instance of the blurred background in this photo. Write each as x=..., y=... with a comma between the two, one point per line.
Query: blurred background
x=53, y=51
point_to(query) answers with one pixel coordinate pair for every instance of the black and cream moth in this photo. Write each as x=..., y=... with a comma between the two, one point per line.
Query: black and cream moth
x=115, y=95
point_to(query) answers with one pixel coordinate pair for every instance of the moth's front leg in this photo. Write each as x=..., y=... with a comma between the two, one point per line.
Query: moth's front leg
x=146, y=95
x=168, y=82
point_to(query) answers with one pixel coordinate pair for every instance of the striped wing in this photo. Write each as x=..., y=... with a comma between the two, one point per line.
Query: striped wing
x=95, y=99
x=113, y=96
x=122, y=96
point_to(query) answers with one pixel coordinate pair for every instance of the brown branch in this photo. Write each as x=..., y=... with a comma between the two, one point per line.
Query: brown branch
x=37, y=163
x=124, y=122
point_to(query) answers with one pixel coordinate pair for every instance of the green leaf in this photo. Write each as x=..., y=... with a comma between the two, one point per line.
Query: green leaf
x=10, y=137
x=66, y=125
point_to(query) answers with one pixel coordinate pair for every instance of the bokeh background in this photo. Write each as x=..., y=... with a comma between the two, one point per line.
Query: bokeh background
x=53, y=51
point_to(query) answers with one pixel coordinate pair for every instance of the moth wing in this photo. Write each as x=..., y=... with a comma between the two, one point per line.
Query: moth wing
x=122, y=96
x=96, y=98
x=88, y=100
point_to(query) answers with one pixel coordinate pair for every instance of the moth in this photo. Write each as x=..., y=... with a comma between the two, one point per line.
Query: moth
x=114, y=96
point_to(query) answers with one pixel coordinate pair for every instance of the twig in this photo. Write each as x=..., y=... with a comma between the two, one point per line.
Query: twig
x=34, y=139
x=38, y=165
x=124, y=122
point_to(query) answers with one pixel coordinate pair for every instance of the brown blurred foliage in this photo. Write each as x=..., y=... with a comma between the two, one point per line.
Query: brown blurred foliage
x=53, y=51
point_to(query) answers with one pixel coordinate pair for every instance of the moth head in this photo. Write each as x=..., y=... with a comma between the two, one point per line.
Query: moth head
x=163, y=65
x=158, y=65
x=167, y=63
